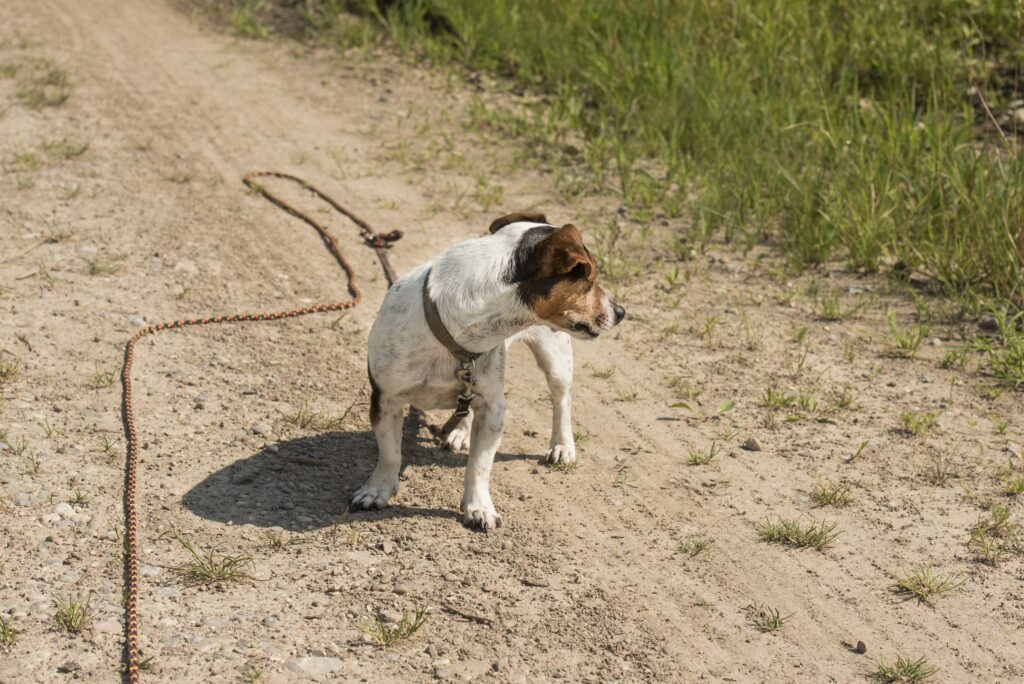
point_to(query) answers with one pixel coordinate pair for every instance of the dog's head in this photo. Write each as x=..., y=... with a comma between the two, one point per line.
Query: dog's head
x=556, y=278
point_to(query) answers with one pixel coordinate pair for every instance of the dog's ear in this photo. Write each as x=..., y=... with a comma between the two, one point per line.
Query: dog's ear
x=563, y=253
x=532, y=216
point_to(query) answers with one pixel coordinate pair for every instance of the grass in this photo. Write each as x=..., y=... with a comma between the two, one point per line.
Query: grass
x=43, y=84
x=703, y=457
x=562, y=466
x=908, y=340
x=916, y=423
x=603, y=372
x=383, y=634
x=996, y=536
x=830, y=307
x=826, y=494
x=103, y=265
x=695, y=545
x=776, y=399
x=65, y=149
x=9, y=365
x=8, y=633
x=867, y=148
x=924, y=583
x=207, y=567
x=940, y=468
x=904, y=671
x=789, y=532
x=306, y=418
x=767, y=619
x=244, y=20
x=719, y=409
x=101, y=379
x=74, y=613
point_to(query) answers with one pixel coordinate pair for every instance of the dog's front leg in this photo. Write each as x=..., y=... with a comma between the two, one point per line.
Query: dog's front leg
x=477, y=507
x=383, y=482
x=553, y=352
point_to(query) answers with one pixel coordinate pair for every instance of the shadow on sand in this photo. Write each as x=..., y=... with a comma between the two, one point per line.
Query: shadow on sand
x=305, y=483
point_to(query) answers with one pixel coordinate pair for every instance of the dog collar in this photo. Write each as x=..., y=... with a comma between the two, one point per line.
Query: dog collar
x=440, y=332
x=467, y=360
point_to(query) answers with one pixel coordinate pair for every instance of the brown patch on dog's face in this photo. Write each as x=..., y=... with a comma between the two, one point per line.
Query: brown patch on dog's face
x=562, y=287
x=531, y=216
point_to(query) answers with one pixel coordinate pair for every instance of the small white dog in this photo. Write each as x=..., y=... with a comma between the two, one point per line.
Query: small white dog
x=441, y=337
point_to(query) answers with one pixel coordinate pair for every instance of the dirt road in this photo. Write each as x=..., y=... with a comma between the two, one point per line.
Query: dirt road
x=256, y=435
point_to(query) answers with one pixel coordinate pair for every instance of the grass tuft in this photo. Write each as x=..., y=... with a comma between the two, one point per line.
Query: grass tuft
x=818, y=536
x=695, y=545
x=208, y=567
x=703, y=457
x=8, y=633
x=924, y=583
x=385, y=635
x=917, y=423
x=826, y=494
x=904, y=671
x=9, y=365
x=767, y=619
x=74, y=613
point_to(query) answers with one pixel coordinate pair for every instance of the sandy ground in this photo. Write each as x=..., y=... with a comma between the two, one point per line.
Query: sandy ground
x=586, y=581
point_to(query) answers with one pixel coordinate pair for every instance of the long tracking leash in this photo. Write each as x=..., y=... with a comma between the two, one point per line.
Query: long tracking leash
x=380, y=242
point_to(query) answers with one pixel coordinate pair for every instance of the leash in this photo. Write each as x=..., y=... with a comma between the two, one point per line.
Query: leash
x=379, y=242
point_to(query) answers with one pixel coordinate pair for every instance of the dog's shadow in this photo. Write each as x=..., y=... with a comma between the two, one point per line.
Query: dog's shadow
x=305, y=483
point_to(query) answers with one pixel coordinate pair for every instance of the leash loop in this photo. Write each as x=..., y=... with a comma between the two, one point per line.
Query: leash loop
x=380, y=242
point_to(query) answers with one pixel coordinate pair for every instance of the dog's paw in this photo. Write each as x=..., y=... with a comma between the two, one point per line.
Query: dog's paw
x=371, y=496
x=481, y=517
x=561, y=453
x=458, y=438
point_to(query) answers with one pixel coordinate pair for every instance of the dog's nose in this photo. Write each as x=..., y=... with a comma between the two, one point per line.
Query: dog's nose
x=620, y=313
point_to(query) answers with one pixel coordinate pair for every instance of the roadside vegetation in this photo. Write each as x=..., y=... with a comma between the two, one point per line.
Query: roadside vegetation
x=880, y=133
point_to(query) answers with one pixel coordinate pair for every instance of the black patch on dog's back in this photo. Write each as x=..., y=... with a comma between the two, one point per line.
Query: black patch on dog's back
x=374, y=398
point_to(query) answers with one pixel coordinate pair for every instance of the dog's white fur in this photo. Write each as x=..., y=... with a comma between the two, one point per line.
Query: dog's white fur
x=483, y=312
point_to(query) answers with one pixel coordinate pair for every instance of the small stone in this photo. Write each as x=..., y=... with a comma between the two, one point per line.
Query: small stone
x=451, y=577
x=69, y=666
x=861, y=648
x=402, y=589
x=147, y=570
x=315, y=665
x=536, y=582
x=137, y=321
x=271, y=620
x=49, y=518
x=500, y=665
x=64, y=510
x=261, y=429
x=751, y=444
x=387, y=546
x=936, y=342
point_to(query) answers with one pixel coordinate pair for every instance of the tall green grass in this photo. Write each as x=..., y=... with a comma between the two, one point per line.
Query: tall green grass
x=853, y=129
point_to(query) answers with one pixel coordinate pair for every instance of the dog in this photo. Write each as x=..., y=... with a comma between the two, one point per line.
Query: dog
x=441, y=338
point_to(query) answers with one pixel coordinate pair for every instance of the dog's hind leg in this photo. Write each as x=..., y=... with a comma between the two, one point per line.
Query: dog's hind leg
x=553, y=352
x=458, y=438
x=386, y=416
